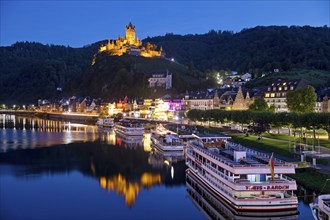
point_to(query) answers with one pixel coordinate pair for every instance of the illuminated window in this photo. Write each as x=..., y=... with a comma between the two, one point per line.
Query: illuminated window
x=274, y=88
x=278, y=94
x=272, y=95
x=285, y=88
x=284, y=84
x=280, y=88
x=291, y=87
x=267, y=95
x=269, y=88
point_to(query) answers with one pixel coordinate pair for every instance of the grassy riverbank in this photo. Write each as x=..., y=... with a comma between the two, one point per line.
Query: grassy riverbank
x=310, y=141
x=313, y=180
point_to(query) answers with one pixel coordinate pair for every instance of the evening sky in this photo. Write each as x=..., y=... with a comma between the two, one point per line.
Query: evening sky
x=78, y=23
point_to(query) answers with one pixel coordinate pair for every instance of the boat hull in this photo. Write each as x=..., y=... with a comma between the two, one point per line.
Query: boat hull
x=247, y=206
x=206, y=197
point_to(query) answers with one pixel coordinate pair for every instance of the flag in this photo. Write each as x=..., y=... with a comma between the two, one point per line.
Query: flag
x=271, y=165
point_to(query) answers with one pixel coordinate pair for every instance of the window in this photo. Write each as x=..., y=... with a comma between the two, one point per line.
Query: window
x=291, y=87
x=272, y=95
x=278, y=94
x=267, y=95
x=286, y=88
x=280, y=88
x=269, y=89
x=274, y=88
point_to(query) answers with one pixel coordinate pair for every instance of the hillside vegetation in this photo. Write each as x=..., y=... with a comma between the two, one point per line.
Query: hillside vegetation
x=30, y=70
x=115, y=76
x=254, y=50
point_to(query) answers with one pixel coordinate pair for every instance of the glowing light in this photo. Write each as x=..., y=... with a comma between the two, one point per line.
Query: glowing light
x=172, y=59
x=166, y=162
x=172, y=172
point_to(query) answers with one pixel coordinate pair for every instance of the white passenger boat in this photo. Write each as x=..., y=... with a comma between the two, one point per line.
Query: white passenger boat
x=129, y=127
x=214, y=207
x=321, y=207
x=105, y=122
x=247, y=180
x=166, y=140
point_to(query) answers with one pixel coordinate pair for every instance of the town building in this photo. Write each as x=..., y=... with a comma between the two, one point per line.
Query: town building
x=231, y=100
x=161, y=80
x=277, y=90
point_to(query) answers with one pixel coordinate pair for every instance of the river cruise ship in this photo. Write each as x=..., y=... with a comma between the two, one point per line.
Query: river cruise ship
x=105, y=122
x=247, y=180
x=214, y=207
x=129, y=127
x=166, y=140
x=321, y=207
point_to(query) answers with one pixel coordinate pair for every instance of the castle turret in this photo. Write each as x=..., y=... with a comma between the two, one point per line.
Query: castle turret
x=130, y=33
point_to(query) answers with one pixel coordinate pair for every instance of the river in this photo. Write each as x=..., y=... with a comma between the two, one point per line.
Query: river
x=61, y=170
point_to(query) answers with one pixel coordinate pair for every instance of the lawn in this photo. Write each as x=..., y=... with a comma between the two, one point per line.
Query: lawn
x=313, y=180
x=284, y=137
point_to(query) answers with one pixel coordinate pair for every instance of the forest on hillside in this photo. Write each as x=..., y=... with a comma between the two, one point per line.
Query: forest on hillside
x=256, y=50
x=31, y=70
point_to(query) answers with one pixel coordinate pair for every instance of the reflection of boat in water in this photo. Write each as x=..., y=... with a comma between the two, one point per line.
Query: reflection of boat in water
x=166, y=140
x=321, y=207
x=129, y=127
x=214, y=207
x=105, y=122
x=129, y=140
x=243, y=177
x=105, y=129
x=158, y=158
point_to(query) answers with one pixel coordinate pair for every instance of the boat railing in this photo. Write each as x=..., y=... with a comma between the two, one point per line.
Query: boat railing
x=254, y=152
x=229, y=162
x=218, y=172
x=218, y=185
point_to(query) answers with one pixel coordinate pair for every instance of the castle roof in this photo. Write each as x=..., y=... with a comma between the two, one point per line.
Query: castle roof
x=130, y=25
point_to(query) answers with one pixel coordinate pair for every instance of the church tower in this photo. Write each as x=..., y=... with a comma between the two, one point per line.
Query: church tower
x=130, y=33
x=239, y=103
x=216, y=100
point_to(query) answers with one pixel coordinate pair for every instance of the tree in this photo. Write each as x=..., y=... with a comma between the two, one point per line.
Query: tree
x=302, y=100
x=260, y=105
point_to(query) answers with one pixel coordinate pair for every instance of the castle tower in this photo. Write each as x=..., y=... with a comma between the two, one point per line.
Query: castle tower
x=130, y=33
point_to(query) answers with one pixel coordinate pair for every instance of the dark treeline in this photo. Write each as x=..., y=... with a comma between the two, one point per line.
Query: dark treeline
x=30, y=70
x=262, y=121
x=253, y=50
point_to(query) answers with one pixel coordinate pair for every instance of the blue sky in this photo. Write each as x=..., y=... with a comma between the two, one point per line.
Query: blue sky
x=78, y=23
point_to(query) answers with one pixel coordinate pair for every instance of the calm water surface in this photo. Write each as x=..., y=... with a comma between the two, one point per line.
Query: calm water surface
x=60, y=170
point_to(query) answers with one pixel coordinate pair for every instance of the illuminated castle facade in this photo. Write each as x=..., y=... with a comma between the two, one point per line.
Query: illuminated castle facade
x=130, y=44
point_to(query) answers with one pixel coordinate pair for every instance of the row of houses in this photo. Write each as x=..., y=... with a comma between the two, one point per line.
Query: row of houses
x=165, y=107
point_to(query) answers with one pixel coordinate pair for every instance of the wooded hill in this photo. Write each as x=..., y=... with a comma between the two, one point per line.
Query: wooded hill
x=30, y=71
x=255, y=50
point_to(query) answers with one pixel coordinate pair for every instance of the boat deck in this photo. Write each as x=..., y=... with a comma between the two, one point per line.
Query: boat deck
x=253, y=158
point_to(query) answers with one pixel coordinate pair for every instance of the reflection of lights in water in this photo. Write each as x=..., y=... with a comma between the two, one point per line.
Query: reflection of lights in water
x=147, y=142
x=172, y=172
x=128, y=189
x=24, y=122
x=112, y=138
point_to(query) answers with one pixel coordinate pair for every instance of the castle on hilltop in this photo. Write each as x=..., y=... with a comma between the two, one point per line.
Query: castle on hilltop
x=131, y=45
